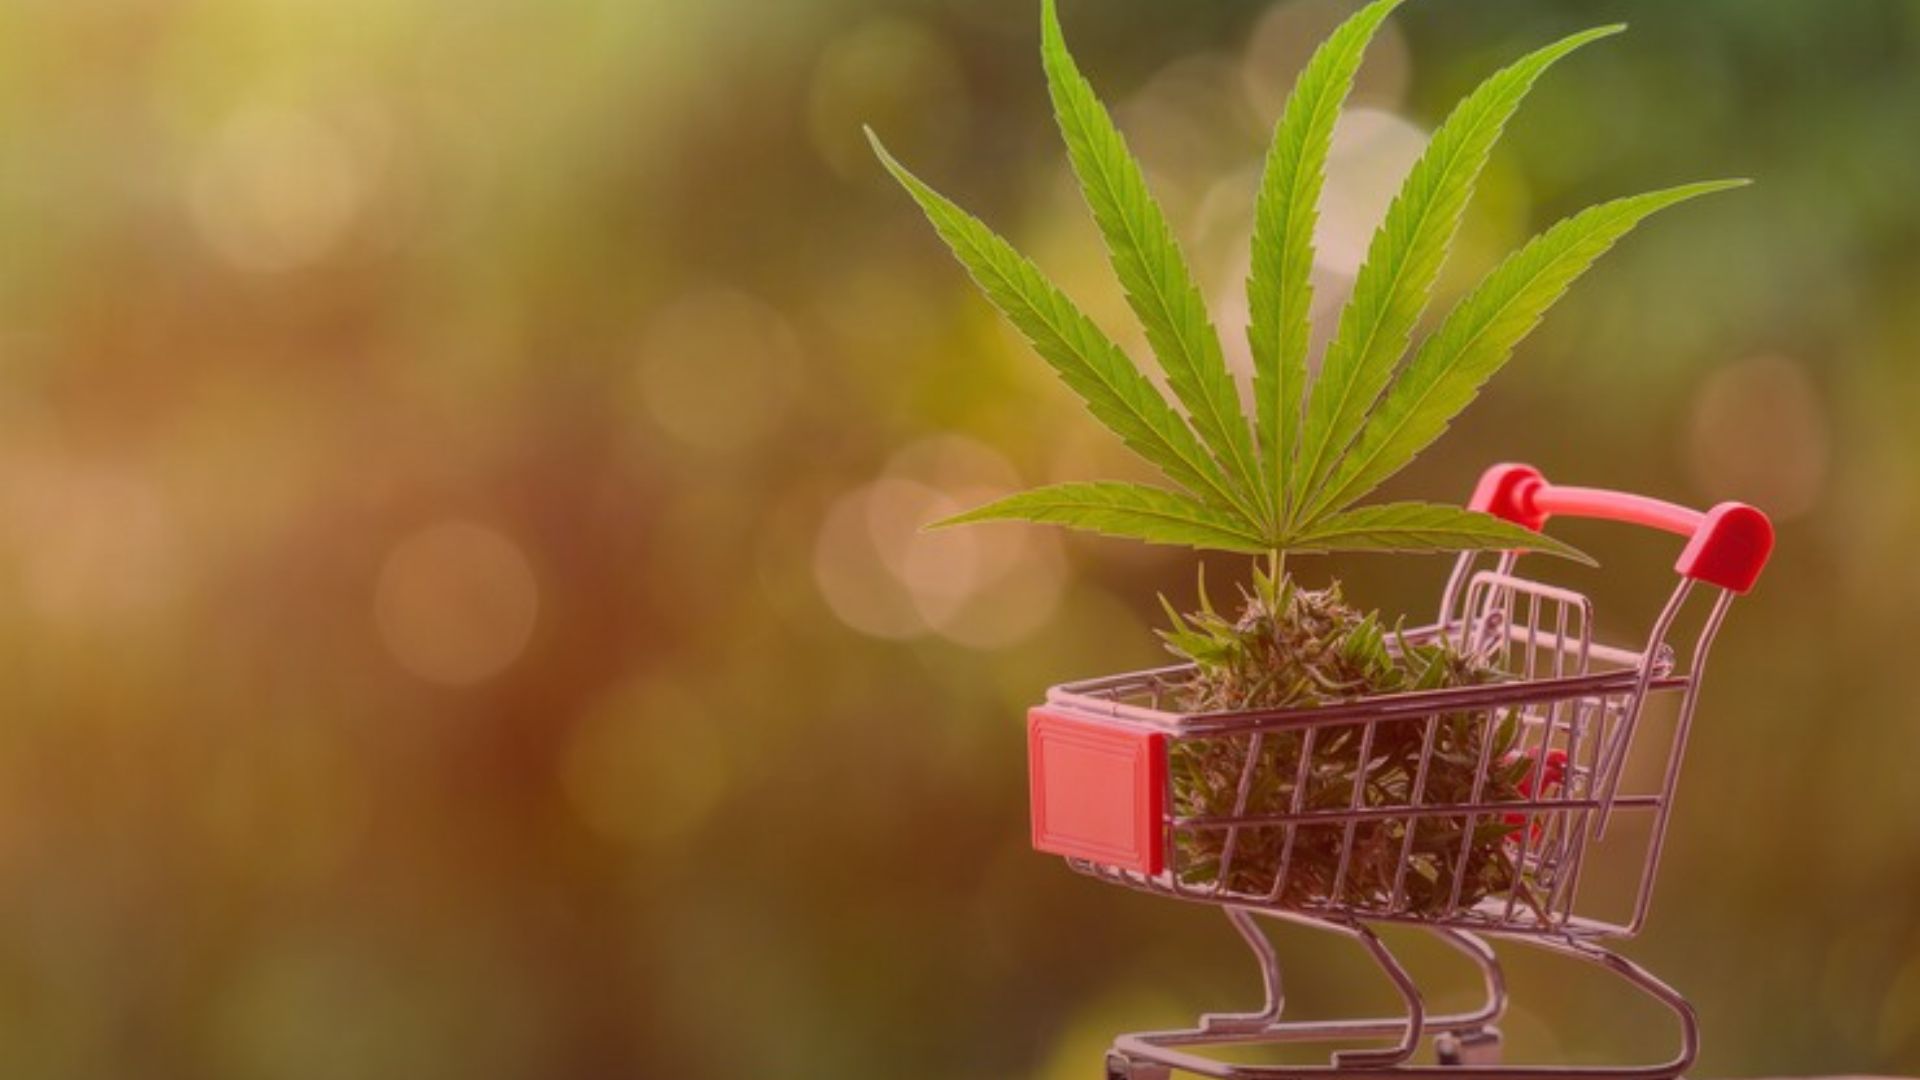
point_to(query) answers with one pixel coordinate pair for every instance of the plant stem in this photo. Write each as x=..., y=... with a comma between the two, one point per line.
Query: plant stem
x=1276, y=564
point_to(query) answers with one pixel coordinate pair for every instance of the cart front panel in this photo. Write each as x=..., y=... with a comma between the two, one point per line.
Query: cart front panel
x=1098, y=789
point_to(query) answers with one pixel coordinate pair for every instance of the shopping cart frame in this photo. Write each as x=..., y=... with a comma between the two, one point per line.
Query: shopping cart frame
x=1103, y=794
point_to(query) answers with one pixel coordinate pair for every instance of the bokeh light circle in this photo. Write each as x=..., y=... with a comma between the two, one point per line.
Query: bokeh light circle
x=896, y=76
x=1759, y=434
x=884, y=574
x=100, y=545
x=1284, y=39
x=851, y=573
x=456, y=603
x=1186, y=124
x=275, y=189
x=646, y=764
x=1373, y=150
x=717, y=369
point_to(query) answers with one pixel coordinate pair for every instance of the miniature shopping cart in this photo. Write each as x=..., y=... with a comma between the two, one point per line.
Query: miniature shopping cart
x=1105, y=797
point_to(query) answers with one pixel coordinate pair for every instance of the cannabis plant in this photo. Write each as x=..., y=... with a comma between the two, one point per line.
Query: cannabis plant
x=1291, y=475
x=1293, y=646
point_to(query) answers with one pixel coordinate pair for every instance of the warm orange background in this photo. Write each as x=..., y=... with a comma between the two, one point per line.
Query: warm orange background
x=459, y=463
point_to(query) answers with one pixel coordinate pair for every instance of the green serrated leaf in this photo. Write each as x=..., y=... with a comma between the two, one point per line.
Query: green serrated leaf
x=1479, y=336
x=1158, y=284
x=1279, y=289
x=1115, y=391
x=1396, y=280
x=1415, y=527
x=1135, y=511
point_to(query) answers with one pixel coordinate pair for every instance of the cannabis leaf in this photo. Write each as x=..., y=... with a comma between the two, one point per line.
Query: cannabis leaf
x=1279, y=289
x=1404, y=259
x=1423, y=527
x=1115, y=391
x=1158, y=284
x=1135, y=511
x=1478, y=338
x=1286, y=480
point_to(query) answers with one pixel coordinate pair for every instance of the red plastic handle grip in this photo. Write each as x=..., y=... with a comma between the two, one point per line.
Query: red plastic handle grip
x=1726, y=546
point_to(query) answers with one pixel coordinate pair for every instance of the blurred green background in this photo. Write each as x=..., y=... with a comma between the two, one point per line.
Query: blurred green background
x=461, y=611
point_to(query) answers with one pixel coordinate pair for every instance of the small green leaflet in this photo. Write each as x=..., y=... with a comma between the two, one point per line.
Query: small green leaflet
x=1397, y=277
x=1133, y=511
x=1479, y=336
x=1115, y=391
x=1416, y=528
x=1148, y=262
x=1279, y=286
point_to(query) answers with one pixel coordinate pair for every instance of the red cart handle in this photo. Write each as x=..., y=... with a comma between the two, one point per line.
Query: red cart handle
x=1727, y=545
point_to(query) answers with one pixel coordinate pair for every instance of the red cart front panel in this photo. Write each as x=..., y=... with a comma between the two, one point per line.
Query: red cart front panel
x=1098, y=789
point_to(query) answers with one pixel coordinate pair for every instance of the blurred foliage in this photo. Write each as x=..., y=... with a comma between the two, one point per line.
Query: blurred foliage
x=460, y=601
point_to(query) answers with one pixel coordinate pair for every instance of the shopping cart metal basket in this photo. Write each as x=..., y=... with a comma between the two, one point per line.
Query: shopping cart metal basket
x=1105, y=797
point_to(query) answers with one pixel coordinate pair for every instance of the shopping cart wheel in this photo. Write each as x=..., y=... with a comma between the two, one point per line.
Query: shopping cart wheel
x=1478, y=1047
x=1122, y=1067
